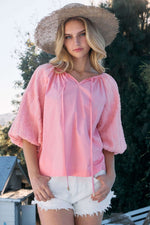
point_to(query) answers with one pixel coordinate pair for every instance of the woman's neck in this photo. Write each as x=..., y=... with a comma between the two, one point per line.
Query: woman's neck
x=82, y=65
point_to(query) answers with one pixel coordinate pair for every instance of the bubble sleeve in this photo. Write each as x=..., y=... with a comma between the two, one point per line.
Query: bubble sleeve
x=29, y=120
x=110, y=125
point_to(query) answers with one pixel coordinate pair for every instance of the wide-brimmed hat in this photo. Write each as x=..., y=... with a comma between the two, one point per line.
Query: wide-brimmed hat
x=105, y=21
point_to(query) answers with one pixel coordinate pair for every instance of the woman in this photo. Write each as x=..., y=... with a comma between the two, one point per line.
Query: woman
x=69, y=121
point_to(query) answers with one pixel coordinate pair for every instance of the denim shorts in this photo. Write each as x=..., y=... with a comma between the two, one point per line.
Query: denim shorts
x=77, y=198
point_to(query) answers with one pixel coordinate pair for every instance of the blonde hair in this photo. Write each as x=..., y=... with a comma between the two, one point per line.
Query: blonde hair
x=63, y=59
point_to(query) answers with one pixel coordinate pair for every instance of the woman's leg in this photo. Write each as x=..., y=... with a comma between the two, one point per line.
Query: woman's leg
x=56, y=217
x=89, y=220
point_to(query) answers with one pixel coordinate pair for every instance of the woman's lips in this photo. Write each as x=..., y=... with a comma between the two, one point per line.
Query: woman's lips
x=77, y=49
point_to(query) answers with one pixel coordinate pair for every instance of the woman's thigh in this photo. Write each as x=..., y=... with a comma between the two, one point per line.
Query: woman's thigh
x=89, y=220
x=56, y=217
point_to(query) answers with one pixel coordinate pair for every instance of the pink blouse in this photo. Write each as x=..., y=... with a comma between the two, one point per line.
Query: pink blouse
x=70, y=122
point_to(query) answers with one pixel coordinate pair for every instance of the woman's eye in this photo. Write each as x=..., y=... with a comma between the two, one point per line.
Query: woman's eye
x=83, y=34
x=67, y=37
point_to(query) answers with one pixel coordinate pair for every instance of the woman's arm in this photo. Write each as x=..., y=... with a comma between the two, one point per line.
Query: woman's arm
x=110, y=163
x=107, y=180
x=38, y=182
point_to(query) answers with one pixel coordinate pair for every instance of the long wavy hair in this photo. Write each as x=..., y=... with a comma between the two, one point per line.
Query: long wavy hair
x=63, y=60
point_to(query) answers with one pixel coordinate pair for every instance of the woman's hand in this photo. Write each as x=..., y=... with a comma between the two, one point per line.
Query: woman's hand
x=106, y=182
x=40, y=188
x=39, y=183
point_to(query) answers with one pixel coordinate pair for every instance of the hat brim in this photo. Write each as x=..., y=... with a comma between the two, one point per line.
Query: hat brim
x=45, y=33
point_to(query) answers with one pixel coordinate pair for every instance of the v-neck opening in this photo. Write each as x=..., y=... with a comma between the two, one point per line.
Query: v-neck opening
x=84, y=80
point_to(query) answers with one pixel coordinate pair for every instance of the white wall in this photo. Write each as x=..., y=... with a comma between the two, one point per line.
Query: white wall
x=7, y=213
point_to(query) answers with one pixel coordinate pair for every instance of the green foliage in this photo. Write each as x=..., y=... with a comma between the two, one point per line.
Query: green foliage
x=6, y=146
x=30, y=60
x=127, y=61
x=131, y=13
x=145, y=75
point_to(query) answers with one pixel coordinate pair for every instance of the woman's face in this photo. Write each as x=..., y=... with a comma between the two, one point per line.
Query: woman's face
x=75, y=39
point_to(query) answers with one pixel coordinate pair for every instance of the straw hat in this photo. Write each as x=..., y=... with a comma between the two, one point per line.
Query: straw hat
x=45, y=33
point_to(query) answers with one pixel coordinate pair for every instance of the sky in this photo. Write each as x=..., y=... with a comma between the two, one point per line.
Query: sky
x=17, y=18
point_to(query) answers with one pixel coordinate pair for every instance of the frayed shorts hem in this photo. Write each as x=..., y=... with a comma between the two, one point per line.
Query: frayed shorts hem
x=83, y=207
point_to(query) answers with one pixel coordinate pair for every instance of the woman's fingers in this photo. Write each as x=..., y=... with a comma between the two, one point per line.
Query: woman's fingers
x=41, y=189
x=48, y=192
x=100, y=196
x=41, y=195
x=103, y=191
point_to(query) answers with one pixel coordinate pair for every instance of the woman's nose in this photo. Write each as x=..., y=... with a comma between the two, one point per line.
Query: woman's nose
x=76, y=40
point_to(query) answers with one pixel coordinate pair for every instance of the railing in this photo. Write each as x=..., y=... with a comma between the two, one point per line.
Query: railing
x=136, y=217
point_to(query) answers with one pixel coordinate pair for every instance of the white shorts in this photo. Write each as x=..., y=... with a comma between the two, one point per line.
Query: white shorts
x=78, y=197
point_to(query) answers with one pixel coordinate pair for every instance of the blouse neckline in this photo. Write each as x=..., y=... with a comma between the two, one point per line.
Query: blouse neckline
x=83, y=80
